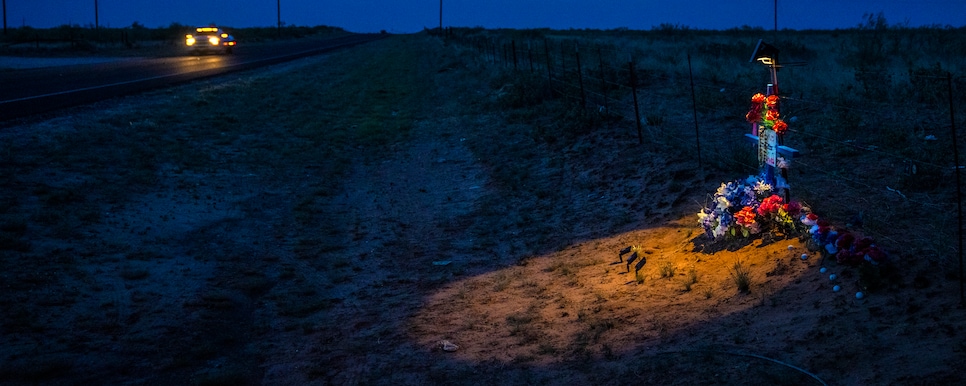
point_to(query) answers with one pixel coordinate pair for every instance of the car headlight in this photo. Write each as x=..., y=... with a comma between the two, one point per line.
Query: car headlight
x=213, y=40
x=189, y=40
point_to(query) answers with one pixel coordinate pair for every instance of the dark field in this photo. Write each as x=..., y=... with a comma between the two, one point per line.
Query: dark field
x=340, y=216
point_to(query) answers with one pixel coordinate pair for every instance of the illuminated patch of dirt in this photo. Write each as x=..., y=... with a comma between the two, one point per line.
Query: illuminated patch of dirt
x=583, y=299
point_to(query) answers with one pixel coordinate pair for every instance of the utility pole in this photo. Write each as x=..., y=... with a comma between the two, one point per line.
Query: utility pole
x=5, y=17
x=278, y=13
x=776, y=20
x=97, y=24
x=441, y=17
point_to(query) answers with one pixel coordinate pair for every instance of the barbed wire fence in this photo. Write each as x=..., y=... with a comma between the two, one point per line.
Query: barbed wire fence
x=907, y=147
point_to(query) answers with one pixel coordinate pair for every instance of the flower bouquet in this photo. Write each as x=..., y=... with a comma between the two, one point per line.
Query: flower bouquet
x=744, y=207
x=764, y=113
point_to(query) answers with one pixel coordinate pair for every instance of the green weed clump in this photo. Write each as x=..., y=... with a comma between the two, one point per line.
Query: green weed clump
x=692, y=278
x=667, y=270
x=741, y=276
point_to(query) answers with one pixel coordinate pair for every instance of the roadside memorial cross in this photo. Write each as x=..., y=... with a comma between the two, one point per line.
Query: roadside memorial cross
x=767, y=130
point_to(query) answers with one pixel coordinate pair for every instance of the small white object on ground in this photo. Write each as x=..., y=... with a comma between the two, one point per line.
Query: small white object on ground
x=823, y=269
x=832, y=277
x=859, y=295
x=448, y=346
x=836, y=288
x=804, y=256
x=790, y=247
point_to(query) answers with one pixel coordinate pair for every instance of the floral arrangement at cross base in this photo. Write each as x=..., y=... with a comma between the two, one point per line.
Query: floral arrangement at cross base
x=743, y=208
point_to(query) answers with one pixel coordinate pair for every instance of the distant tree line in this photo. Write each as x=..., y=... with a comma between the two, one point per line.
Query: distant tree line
x=137, y=33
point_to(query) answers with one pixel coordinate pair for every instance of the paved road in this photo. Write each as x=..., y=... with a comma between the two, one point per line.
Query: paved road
x=30, y=91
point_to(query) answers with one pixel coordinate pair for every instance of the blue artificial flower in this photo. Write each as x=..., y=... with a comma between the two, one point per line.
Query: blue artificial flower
x=748, y=198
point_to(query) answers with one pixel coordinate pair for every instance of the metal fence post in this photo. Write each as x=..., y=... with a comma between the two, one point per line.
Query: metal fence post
x=694, y=110
x=637, y=108
x=580, y=77
x=959, y=190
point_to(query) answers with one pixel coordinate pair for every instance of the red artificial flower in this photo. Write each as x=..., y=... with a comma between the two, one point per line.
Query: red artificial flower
x=771, y=101
x=875, y=254
x=793, y=208
x=780, y=126
x=753, y=116
x=769, y=205
x=745, y=217
x=812, y=216
x=771, y=115
x=823, y=226
x=845, y=256
x=758, y=98
x=845, y=241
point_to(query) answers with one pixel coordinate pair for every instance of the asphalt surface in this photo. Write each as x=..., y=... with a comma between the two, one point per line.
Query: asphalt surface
x=25, y=92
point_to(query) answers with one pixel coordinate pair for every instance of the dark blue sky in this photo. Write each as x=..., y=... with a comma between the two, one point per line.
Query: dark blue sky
x=413, y=15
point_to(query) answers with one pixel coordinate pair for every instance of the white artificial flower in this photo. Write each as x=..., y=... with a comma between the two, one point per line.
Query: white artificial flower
x=782, y=163
x=762, y=188
x=702, y=216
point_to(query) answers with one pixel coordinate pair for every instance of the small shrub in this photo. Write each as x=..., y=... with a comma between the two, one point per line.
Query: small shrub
x=667, y=270
x=640, y=277
x=741, y=277
x=708, y=293
x=691, y=279
x=501, y=282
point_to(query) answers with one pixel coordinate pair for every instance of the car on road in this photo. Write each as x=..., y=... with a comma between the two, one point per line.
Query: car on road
x=209, y=39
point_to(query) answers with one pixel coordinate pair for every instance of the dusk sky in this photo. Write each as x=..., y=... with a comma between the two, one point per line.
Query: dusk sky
x=403, y=16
